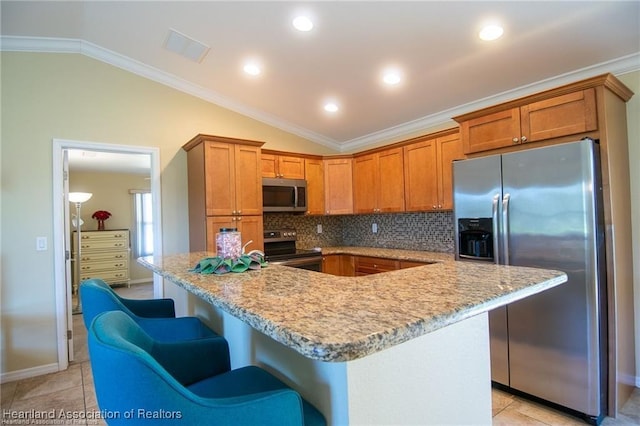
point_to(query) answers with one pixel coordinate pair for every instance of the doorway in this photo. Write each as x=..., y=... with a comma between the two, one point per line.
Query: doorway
x=62, y=219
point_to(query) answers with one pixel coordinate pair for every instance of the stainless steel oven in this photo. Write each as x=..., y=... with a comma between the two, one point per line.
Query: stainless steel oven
x=280, y=249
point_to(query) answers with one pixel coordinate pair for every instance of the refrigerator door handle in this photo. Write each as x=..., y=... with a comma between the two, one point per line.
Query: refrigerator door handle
x=496, y=228
x=505, y=228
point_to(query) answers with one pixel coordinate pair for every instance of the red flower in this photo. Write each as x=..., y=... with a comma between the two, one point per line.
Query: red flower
x=101, y=215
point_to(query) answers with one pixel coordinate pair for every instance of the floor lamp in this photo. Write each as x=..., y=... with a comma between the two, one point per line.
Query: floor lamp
x=78, y=198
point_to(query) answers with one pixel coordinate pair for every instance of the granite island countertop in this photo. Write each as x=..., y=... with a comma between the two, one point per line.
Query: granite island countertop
x=331, y=318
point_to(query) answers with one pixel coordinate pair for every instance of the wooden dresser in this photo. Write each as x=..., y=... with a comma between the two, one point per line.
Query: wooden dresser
x=103, y=254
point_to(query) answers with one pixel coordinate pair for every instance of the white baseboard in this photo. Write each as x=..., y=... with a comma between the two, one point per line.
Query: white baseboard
x=28, y=373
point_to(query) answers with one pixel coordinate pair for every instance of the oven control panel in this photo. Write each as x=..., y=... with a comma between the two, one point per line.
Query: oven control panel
x=274, y=235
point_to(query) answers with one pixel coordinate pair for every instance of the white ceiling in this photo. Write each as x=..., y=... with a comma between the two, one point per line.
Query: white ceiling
x=447, y=69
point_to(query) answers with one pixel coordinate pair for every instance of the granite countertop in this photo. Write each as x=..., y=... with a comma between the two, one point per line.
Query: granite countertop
x=330, y=318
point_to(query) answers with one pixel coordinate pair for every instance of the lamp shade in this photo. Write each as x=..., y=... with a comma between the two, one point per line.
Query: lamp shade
x=79, y=197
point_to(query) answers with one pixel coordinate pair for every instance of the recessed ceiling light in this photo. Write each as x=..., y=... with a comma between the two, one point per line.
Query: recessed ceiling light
x=491, y=32
x=391, y=77
x=302, y=23
x=331, y=107
x=252, y=68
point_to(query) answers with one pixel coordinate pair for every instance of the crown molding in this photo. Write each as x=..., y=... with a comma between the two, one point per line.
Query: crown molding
x=64, y=45
x=619, y=66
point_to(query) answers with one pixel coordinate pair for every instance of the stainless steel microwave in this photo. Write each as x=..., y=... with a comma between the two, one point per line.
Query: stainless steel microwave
x=284, y=195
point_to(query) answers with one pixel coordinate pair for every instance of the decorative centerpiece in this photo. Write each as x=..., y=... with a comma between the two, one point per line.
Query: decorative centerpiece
x=101, y=216
x=221, y=265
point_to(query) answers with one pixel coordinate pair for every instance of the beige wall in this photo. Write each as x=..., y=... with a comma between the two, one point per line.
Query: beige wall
x=66, y=96
x=111, y=193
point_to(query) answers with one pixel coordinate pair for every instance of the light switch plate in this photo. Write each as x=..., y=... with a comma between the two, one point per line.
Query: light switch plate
x=41, y=243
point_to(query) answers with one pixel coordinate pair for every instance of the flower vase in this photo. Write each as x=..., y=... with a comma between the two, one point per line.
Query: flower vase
x=100, y=225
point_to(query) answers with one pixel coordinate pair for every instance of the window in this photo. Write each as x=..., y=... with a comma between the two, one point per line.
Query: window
x=143, y=215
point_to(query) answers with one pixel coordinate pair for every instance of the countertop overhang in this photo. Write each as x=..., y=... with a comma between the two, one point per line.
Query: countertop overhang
x=331, y=318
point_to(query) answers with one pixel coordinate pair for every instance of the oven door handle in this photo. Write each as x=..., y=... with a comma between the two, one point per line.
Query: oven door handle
x=297, y=262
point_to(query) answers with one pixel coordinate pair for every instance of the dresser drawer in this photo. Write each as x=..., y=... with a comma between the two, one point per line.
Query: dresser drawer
x=106, y=256
x=102, y=240
x=109, y=277
x=104, y=245
x=107, y=265
x=104, y=235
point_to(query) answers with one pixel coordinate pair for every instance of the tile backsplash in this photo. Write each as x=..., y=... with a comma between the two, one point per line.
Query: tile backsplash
x=429, y=231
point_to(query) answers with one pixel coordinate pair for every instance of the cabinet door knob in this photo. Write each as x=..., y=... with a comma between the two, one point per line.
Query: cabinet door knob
x=523, y=139
x=239, y=211
x=239, y=218
x=515, y=140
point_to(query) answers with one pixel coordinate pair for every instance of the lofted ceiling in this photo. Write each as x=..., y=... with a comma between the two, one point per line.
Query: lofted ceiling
x=446, y=69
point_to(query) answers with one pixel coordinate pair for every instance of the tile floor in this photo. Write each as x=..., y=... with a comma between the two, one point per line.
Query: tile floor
x=72, y=391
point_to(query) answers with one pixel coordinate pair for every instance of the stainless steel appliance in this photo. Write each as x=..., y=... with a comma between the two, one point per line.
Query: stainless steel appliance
x=542, y=208
x=280, y=249
x=284, y=195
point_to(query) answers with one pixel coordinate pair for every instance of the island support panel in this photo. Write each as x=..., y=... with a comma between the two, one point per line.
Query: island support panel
x=439, y=378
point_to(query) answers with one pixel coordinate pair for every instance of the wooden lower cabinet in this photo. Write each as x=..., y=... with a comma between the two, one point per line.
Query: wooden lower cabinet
x=374, y=265
x=250, y=228
x=405, y=264
x=345, y=265
x=338, y=264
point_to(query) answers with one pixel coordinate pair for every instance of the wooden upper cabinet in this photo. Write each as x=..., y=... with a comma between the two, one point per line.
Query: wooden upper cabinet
x=563, y=115
x=449, y=149
x=391, y=180
x=233, y=182
x=365, y=181
x=428, y=172
x=220, y=179
x=248, y=180
x=282, y=166
x=338, y=186
x=378, y=182
x=560, y=116
x=314, y=174
x=491, y=131
x=421, y=176
x=225, y=189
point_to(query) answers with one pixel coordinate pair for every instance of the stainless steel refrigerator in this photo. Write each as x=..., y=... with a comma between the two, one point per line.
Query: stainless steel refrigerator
x=542, y=208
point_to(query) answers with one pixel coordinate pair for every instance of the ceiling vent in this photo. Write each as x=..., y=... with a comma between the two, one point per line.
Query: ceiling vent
x=185, y=46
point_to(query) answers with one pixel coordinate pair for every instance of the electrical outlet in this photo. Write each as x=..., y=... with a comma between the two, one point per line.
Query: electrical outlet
x=319, y=228
x=41, y=243
x=374, y=228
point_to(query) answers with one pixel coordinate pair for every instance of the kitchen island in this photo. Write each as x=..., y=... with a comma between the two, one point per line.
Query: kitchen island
x=409, y=346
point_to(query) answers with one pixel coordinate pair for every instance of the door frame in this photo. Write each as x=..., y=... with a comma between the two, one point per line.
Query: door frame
x=62, y=289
